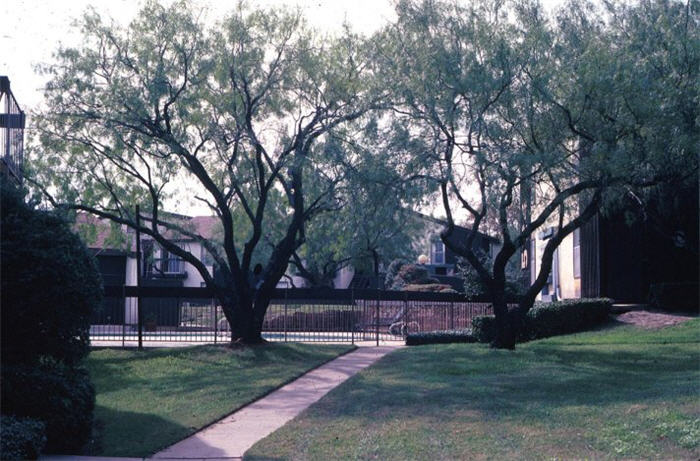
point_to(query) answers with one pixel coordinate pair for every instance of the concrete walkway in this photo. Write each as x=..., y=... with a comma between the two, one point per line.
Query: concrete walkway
x=236, y=433
x=233, y=435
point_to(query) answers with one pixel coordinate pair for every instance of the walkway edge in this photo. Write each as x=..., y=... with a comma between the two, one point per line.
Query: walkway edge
x=238, y=432
x=260, y=397
x=50, y=457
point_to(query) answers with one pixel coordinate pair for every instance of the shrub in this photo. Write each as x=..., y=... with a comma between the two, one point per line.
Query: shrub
x=430, y=287
x=550, y=319
x=410, y=274
x=21, y=438
x=440, y=337
x=484, y=328
x=392, y=271
x=50, y=285
x=564, y=317
x=681, y=296
x=58, y=395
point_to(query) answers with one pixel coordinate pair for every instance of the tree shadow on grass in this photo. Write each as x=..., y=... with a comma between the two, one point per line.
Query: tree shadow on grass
x=495, y=382
x=124, y=433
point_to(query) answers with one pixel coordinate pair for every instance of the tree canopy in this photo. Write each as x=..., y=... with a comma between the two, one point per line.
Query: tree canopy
x=523, y=121
x=514, y=119
x=238, y=113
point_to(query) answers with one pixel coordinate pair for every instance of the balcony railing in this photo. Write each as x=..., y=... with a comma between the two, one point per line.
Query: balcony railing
x=164, y=268
x=12, y=121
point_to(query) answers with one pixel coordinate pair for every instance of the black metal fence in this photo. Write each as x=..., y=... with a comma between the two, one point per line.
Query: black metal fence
x=193, y=315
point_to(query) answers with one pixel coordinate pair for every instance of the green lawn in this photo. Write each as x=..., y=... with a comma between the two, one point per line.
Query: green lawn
x=620, y=392
x=148, y=400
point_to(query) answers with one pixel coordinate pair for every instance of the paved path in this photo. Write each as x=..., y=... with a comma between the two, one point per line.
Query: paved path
x=236, y=433
x=233, y=435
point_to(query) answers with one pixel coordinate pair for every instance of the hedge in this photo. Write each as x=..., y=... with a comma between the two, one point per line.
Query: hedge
x=440, y=337
x=60, y=396
x=550, y=319
x=21, y=438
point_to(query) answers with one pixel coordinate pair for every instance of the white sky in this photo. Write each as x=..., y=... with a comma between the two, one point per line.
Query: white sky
x=31, y=30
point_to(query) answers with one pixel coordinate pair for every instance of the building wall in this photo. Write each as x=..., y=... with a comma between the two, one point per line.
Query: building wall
x=343, y=277
x=563, y=283
x=569, y=286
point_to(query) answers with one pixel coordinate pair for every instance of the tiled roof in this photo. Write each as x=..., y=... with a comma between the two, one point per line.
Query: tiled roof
x=205, y=226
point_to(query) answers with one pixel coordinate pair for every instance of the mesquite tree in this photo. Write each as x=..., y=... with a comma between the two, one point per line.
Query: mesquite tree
x=523, y=121
x=372, y=225
x=234, y=115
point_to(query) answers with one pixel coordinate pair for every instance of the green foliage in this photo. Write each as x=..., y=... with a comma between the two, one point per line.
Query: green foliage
x=392, y=271
x=60, y=396
x=21, y=438
x=368, y=226
x=239, y=116
x=484, y=328
x=522, y=120
x=440, y=337
x=411, y=274
x=550, y=319
x=516, y=278
x=564, y=317
x=430, y=287
x=50, y=285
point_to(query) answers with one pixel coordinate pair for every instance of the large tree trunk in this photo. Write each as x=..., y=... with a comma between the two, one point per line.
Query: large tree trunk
x=246, y=328
x=507, y=322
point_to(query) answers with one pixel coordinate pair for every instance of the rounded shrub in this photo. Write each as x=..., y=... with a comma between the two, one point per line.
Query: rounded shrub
x=59, y=395
x=50, y=285
x=21, y=438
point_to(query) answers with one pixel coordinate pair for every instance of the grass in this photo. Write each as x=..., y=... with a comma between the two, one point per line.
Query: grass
x=148, y=400
x=619, y=392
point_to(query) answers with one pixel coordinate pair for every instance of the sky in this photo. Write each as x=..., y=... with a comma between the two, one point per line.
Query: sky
x=33, y=29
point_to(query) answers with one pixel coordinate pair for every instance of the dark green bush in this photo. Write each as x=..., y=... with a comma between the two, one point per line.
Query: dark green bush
x=675, y=297
x=564, y=317
x=60, y=396
x=21, y=438
x=484, y=328
x=50, y=285
x=550, y=319
x=411, y=274
x=440, y=337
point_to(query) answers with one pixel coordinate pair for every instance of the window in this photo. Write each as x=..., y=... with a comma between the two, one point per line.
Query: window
x=437, y=253
x=577, y=253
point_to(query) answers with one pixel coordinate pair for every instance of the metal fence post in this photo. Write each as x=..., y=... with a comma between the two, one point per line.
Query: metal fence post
x=407, y=316
x=377, y=318
x=452, y=315
x=352, y=315
x=285, y=314
x=216, y=319
x=123, y=306
x=138, y=276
